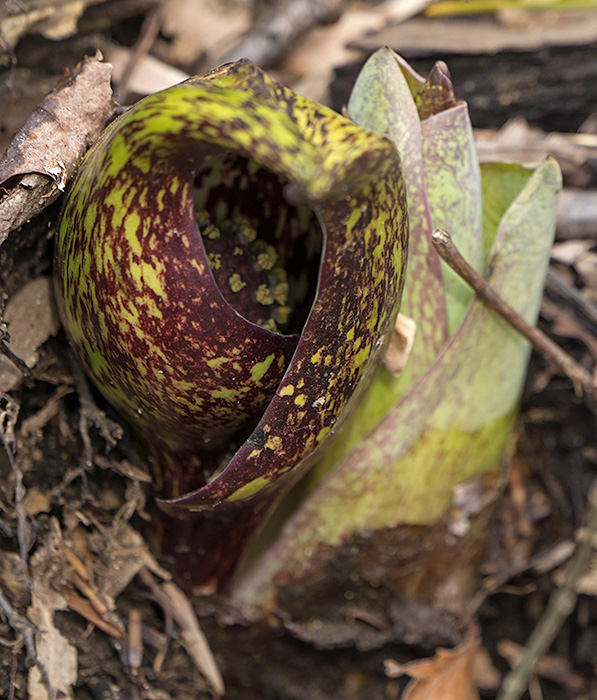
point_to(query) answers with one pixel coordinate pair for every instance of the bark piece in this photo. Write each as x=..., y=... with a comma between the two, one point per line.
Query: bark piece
x=44, y=153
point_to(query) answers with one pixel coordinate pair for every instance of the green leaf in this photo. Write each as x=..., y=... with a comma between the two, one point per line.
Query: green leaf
x=454, y=422
x=453, y=184
x=444, y=190
x=381, y=100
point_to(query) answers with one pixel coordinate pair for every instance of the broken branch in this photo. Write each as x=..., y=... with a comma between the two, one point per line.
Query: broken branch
x=580, y=377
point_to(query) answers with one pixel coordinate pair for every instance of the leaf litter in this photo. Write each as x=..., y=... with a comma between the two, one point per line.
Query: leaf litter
x=73, y=504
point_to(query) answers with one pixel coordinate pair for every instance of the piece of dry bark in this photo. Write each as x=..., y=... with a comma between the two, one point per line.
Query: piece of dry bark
x=43, y=155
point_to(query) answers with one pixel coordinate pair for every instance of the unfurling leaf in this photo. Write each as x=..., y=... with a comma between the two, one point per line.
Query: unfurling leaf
x=392, y=474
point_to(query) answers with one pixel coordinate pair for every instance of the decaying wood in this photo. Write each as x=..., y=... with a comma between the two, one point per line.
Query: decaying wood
x=542, y=67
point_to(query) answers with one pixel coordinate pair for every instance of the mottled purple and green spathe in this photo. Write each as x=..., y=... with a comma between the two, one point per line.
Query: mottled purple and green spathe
x=256, y=335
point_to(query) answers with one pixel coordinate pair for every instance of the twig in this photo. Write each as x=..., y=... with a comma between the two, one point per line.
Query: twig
x=580, y=377
x=561, y=604
x=147, y=36
x=8, y=419
x=25, y=629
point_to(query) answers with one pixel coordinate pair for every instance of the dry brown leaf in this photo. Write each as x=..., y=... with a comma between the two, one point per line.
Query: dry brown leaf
x=36, y=501
x=586, y=266
x=448, y=675
x=568, y=252
x=52, y=20
x=31, y=317
x=43, y=155
x=200, y=27
x=57, y=656
x=401, y=344
x=149, y=74
x=10, y=374
x=193, y=638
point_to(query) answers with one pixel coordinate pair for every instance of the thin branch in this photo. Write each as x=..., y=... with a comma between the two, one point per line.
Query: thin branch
x=580, y=377
x=147, y=36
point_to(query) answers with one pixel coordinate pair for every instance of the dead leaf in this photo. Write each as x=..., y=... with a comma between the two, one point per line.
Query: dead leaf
x=36, y=501
x=448, y=675
x=52, y=20
x=10, y=375
x=53, y=651
x=193, y=638
x=43, y=155
x=586, y=266
x=200, y=27
x=401, y=344
x=149, y=74
x=31, y=317
x=570, y=251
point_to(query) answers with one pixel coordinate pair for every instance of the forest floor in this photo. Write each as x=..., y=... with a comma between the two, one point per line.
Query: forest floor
x=74, y=494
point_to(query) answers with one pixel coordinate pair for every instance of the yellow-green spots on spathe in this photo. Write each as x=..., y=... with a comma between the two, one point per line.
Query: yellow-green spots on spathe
x=226, y=394
x=128, y=311
x=160, y=199
x=132, y=223
x=260, y=368
x=353, y=219
x=90, y=216
x=152, y=278
x=151, y=306
x=361, y=356
x=322, y=433
x=250, y=489
x=114, y=198
x=119, y=156
x=274, y=443
x=216, y=362
x=287, y=390
x=301, y=400
x=317, y=357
